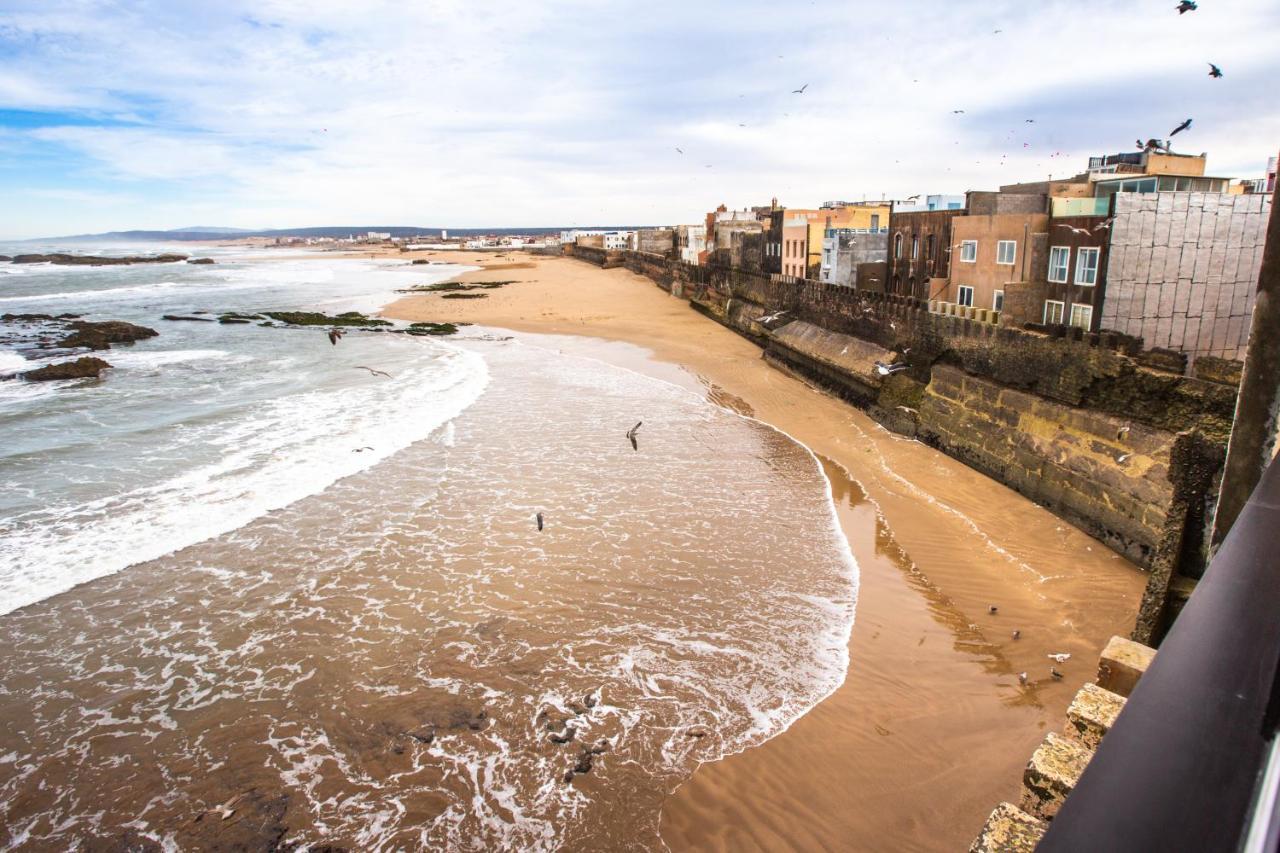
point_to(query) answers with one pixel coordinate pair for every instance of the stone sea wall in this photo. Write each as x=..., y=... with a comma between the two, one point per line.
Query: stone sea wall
x=1112, y=438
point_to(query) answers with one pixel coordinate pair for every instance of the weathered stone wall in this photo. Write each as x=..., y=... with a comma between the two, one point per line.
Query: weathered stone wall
x=1183, y=269
x=1106, y=436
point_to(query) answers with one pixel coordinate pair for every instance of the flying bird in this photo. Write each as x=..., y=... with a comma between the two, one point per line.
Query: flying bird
x=1186, y=6
x=800, y=91
x=1214, y=71
x=1074, y=230
x=539, y=519
x=1186, y=124
x=361, y=449
x=631, y=436
x=1029, y=120
x=1103, y=226
x=681, y=150
x=374, y=372
x=335, y=335
x=957, y=113
x=890, y=369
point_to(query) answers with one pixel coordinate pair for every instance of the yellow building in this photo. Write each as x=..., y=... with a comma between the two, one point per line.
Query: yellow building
x=858, y=216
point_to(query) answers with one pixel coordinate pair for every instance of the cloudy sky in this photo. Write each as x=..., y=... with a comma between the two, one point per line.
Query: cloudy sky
x=274, y=113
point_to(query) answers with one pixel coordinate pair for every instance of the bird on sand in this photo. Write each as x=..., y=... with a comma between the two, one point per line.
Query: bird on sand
x=1017, y=635
x=800, y=91
x=991, y=608
x=1057, y=675
x=631, y=436
x=374, y=372
x=1214, y=71
x=335, y=335
x=1060, y=657
x=1123, y=457
x=1122, y=432
x=1186, y=6
x=1022, y=678
x=538, y=516
x=1186, y=124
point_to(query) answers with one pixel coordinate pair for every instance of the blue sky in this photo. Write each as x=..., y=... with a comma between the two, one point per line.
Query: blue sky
x=117, y=114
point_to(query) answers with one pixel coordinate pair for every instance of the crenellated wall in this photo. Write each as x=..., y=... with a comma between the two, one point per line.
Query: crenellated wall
x=1087, y=425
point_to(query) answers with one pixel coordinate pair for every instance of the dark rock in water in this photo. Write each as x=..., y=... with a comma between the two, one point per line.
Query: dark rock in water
x=177, y=317
x=567, y=735
x=421, y=261
x=233, y=320
x=315, y=318
x=101, y=335
x=82, y=368
x=422, y=737
x=431, y=329
x=696, y=733
x=584, y=762
x=201, y=261
x=64, y=259
x=28, y=318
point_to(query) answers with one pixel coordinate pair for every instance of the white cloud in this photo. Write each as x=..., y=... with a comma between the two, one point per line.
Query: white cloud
x=303, y=113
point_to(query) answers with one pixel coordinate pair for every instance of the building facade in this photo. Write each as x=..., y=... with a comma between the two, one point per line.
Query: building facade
x=917, y=251
x=989, y=253
x=1183, y=269
x=844, y=250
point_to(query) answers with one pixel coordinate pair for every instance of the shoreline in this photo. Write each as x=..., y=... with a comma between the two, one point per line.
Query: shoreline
x=935, y=543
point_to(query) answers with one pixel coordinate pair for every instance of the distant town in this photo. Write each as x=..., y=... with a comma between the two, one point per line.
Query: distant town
x=1085, y=251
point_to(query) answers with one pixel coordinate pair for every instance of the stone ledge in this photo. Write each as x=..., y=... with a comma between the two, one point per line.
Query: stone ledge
x=1091, y=715
x=1008, y=830
x=1122, y=664
x=1051, y=775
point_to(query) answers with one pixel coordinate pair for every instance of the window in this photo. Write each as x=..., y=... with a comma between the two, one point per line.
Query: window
x=875, y=222
x=928, y=247
x=1059, y=257
x=1087, y=267
x=997, y=303
x=1052, y=312
x=897, y=245
x=969, y=251
x=1006, y=251
x=915, y=247
x=1082, y=316
x=965, y=297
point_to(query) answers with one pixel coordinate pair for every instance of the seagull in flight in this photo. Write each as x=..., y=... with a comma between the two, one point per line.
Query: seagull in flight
x=681, y=150
x=1186, y=124
x=957, y=112
x=1186, y=6
x=1214, y=71
x=800, y=91
x=374, y=372
x=335, y=335
x=1074, y=230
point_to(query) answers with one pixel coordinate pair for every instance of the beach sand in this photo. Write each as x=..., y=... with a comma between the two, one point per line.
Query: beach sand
x=931, y=727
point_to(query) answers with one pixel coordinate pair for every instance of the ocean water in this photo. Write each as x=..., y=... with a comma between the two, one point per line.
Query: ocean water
x=241, y=574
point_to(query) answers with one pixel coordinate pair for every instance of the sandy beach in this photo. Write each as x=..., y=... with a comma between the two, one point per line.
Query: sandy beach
x=931, y=728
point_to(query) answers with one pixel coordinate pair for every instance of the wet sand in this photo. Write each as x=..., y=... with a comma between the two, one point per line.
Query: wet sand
x=931, y=728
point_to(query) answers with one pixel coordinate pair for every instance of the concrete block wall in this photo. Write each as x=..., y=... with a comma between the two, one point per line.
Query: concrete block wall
x=1183, y=270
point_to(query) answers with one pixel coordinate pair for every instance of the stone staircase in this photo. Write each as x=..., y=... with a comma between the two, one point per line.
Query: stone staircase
x=1059, y=761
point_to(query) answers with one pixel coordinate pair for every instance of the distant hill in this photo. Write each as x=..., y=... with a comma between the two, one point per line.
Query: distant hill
x=219, y=233
x=211, y=229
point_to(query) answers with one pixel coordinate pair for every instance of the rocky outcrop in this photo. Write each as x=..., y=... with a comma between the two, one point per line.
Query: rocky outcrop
x=201, y=261
x=64, y=259
x=314, y=318
x=5, y=258
x=101, y=335
x=87, y=367
x=431, y=329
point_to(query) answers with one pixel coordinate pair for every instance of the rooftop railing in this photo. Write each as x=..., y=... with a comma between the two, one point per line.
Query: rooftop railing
x=1192, y=763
